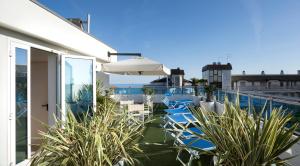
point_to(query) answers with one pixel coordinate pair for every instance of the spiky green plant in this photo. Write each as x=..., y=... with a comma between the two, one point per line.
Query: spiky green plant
x=247, y=139
x=102, y=139
x=195, y=83
x=148, y=91
x=209, y=89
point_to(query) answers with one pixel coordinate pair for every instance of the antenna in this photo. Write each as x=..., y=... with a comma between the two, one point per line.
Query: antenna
x=88, y=23
x=218, y=59
x=227, y=57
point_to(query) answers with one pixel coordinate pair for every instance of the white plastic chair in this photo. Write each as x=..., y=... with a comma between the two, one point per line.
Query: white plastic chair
x=124, y=103
x=137, y=110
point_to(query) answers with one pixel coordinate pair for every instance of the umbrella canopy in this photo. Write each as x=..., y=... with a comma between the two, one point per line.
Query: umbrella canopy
x=136, y=66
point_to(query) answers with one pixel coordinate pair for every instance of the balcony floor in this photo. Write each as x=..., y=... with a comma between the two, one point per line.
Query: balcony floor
x=159, y=153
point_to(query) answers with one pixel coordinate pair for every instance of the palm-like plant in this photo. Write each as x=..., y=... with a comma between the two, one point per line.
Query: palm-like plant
x=195, y=83
x=247, y=139
x=103, y=138
x=209, y=89
x=148, y=91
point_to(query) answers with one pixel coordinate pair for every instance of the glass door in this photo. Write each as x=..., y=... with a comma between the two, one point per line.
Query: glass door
x=20, y=103
x=78, y=90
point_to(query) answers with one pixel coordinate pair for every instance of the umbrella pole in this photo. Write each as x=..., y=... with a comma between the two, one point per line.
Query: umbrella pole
x=167, y=82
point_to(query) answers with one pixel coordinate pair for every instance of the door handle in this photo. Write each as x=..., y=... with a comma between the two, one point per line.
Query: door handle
x=46, y=105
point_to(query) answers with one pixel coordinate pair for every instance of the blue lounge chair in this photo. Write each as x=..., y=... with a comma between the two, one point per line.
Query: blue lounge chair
x=191, y=131
x=171, y=124
x=177, y=111
x=194, y=146
x=182, y=118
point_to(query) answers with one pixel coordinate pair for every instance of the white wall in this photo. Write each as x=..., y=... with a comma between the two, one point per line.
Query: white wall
x=4, y=101
x=156, y=98
x=52, y=88
x=39, y=97
x=226, y=79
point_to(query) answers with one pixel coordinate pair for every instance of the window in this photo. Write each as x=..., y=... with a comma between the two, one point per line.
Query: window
x=215, y=72
x=215, y=78
x=78, y=84
x=220, y=73
x=211, y=73
x=242, y=83
x=219, y=79
x=21, y=104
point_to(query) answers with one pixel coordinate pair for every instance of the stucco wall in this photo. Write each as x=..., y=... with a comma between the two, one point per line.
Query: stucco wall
x=39, y=97
x=4, y=101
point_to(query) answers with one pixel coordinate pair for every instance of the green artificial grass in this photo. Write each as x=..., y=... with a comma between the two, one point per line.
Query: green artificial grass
x=160, y=153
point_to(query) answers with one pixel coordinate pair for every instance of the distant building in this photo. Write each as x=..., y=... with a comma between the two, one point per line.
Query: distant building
x=265, y=81
x=176, y=79
x=218, y=74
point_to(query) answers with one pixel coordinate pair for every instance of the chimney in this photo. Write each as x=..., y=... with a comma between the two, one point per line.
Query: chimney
x=281, y=72
x=77, y=21
x=83, y=25
x=214, y=63
x=262, y=72
x=244, y=73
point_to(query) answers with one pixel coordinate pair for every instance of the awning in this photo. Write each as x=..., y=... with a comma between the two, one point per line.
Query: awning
x=136, y=66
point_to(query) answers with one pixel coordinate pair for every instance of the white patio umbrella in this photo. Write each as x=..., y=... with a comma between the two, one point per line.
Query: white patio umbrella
x=136, y=66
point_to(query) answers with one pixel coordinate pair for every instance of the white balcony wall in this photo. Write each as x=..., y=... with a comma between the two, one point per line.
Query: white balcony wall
x=139, y=98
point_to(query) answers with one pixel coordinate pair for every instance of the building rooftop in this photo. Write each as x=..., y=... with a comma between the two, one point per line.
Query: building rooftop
x=217, y=66
x=177, y=71
x=163, y=80
x=266, y=77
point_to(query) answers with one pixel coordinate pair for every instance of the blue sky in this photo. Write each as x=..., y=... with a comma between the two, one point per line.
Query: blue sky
x=253, y=35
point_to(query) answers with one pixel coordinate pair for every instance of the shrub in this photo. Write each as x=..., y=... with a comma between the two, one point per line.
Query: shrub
x=247, y=139
x=99, y=138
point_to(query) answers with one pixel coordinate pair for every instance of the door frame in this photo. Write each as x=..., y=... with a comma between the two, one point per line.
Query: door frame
x=62, y=78
x=12, y=110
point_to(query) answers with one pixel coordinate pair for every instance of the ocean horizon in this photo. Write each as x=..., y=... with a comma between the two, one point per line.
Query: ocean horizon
x=128, y=85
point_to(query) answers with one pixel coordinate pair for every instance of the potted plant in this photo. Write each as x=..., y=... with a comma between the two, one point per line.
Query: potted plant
x=209, y=89
x=202, y=82
x=195, y=82
x=148, y=92
x=105, y=137
x=244, y=139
